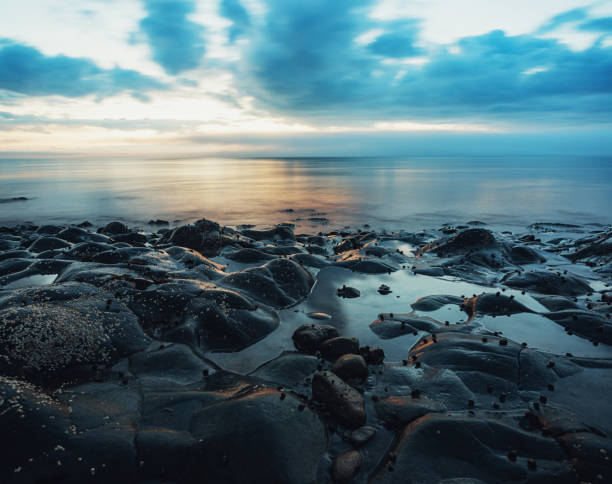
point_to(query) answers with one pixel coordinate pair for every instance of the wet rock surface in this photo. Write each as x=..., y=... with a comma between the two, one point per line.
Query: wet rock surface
x=485, y=354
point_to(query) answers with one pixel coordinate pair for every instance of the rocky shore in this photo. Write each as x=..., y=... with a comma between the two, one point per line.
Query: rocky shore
x=203, y=353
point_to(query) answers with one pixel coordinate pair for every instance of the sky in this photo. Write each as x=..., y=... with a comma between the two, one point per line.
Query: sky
x=304, y=78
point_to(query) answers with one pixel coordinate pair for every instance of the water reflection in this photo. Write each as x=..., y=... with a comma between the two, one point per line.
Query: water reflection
x=389, y=192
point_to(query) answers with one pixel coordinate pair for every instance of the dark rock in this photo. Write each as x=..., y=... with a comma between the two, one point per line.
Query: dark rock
x=601, y=246
x=167, y=452
x=114, y=228
x=204, y=236
x=548, y=282
x=557, y=303
x=49, y=229
x=397, y=411
x=433, y=303
x=309, y=260
x=345, y=403
x=308, y=338
x=12, y=266
x=348, y=244
x=282, y=232
x=348, y=292
x=470, y=239
x=248, y=255
x=13, y=199
x=346, y=465
x=15, y=254
x=174, y=363
x=372, y=355
x=440, y=447
x=351, y=367
x=76, y=234
x=260, y=436
x=86, y=251
x=467, y=353
x=48, y=243
x=432, y=271
x=493, y=304
x=48, y=336
x=391, y=327
x=526, y=255
x=588, y=324
x=590, y=454
x=132, y=238
x=362, y=435
x=336, y=347
x=367, y=266
x=279, y=283
x=289, y=369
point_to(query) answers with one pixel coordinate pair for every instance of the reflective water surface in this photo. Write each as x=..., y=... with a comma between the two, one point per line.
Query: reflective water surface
x=393, y=193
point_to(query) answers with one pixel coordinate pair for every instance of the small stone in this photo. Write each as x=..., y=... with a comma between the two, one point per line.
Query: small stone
x=362, y=435
x=373, y=355
x=346, y=465
x=308, y=338
x=348, y=292
x=335, y=347
x=351, y=367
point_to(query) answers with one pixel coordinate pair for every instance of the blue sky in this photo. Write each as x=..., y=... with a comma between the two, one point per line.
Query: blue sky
x=312, y=77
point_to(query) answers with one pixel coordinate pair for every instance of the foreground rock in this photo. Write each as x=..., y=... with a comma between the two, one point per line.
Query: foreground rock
x=342, y=400
x=310, y=337
x=113, y=347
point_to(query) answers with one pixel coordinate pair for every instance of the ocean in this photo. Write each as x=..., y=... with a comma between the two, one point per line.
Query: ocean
x=391, y=193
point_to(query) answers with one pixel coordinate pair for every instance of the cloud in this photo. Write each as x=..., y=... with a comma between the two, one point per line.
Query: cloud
x=234, y=11
x=574, y=15
x=25, y=70
x=177, y=42
x=305, y=61
x=399, y=42
x=603, y=24
x=304, y=56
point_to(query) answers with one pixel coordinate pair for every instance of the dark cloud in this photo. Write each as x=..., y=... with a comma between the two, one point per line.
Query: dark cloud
x=177, y=42
x=305, y=55
x=234, y=11
x=493, y=70
x=305, y=61
x=25, y=70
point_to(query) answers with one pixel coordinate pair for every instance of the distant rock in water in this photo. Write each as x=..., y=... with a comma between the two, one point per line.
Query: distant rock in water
x=114, y=228
x=14, y=199
x=159, y=222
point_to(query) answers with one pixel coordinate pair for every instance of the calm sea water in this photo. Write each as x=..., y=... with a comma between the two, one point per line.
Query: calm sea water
x=406, y=193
